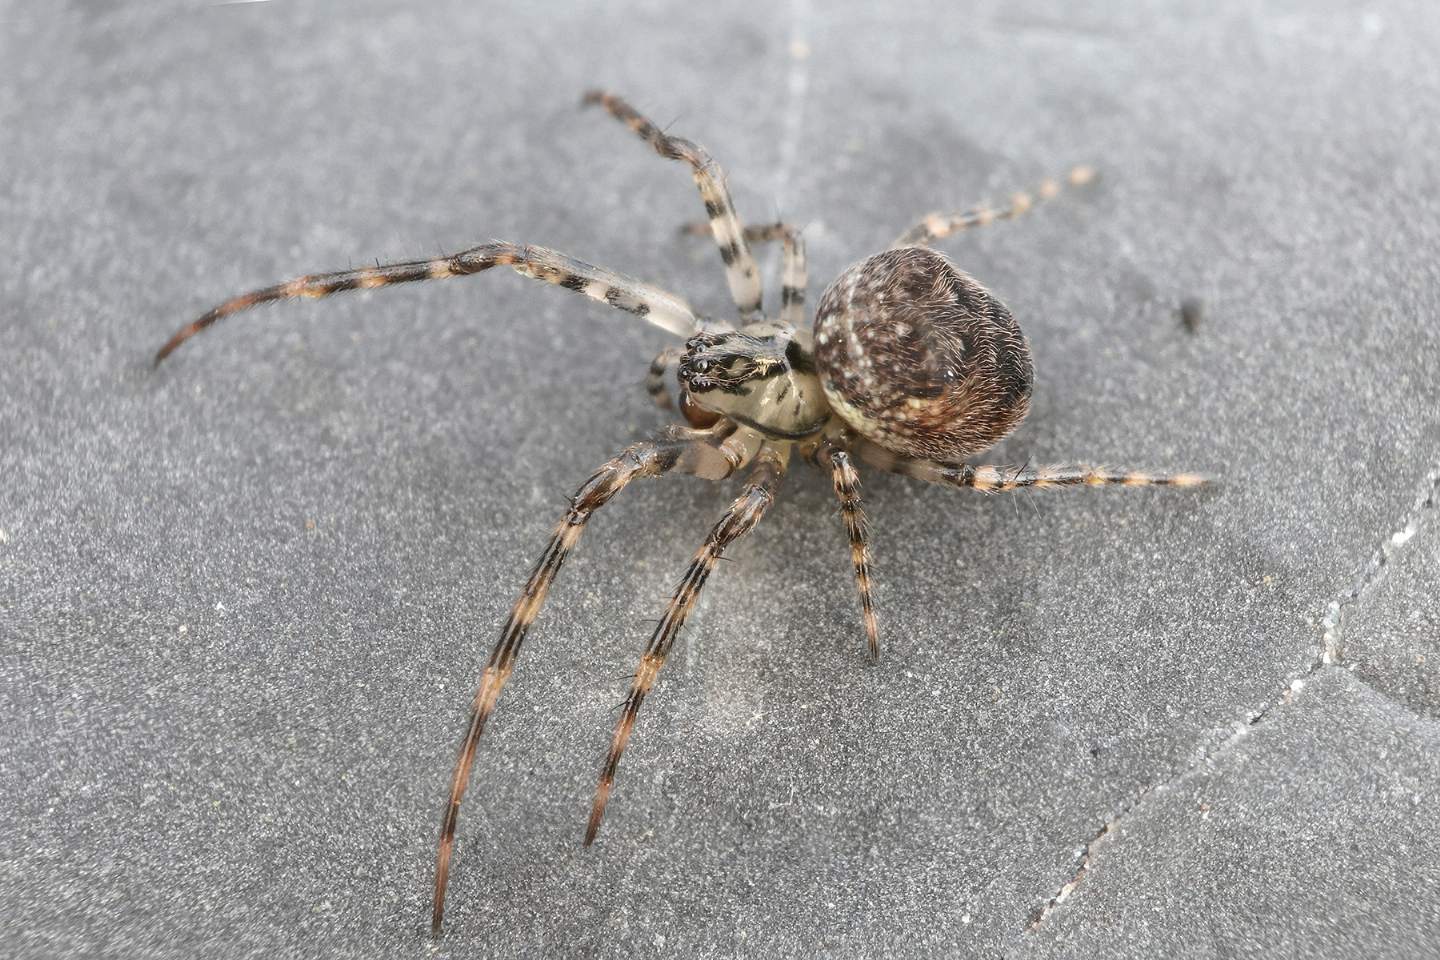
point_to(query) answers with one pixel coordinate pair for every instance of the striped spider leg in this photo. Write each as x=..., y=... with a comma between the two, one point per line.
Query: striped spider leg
x=740, y=272
x=938, y=225
x=711, y=455
x=1003, y=479
x=655, y=377
x=657, y=306
x=793, y=271
x=845, y=480
x=760, y=487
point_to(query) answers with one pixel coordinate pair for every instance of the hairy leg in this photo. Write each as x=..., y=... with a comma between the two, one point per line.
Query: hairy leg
x=655, y=384
x=793, y=270
x=744, y=513
x=938, y=225
x=1001, y=479
x=740, y=271
x=847, y=490
x=711, y=454
x=657, y=306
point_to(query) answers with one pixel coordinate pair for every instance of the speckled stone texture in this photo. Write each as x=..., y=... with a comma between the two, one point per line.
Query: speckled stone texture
x=244, y=599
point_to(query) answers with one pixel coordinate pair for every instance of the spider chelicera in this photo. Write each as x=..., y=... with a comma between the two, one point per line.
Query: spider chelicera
x=912, y=366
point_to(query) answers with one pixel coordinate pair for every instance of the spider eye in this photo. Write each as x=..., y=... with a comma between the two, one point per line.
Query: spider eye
x=702, y=365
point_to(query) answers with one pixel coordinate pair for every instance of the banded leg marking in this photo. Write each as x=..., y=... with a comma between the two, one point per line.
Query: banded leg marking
x=846, y=481
x=793, y=270
x=664, y=309
x=999, y=479
x=742, y=516
x=655, y=384
x=938, y=225
x=687, y=451
x=794, y=275
x=740, y=271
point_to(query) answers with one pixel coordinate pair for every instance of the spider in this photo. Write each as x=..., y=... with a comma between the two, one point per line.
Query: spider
x=912, y=366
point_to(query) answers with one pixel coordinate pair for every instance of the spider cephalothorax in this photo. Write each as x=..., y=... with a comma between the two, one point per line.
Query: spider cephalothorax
x=762, y=376
x=913, y=366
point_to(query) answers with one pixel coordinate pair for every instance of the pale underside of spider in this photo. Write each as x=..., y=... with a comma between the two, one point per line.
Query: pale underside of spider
x=911, y=366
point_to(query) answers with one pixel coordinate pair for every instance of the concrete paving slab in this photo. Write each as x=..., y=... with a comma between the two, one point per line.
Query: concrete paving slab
x=244, y=599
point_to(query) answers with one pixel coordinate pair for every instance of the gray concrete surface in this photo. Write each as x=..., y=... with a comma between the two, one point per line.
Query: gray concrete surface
x=244, y=599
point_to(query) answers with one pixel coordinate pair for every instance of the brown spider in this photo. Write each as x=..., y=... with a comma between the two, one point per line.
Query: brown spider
x=912, y=365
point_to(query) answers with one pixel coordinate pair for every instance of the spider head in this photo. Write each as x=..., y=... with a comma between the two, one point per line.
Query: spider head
x=724, y=363
x=761, y=376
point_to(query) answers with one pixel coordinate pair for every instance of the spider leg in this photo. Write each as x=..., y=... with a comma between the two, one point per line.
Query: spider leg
x=997, y=479
x=793, y=272
x=655, y=380
x=740, y=271
x=846, y=481
x=742, y=516
x=755, y=234
x=664, y=309
x=707, y=454
x=938, y=225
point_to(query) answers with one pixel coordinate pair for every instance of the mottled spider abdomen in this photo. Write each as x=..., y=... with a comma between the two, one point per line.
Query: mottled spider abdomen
x=920, y=358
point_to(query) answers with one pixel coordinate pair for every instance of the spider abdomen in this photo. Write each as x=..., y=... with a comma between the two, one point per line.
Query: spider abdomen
x=920, y=358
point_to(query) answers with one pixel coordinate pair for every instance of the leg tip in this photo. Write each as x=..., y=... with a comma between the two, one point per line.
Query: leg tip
x=597, y=813
x=1193, y=480
x=592, y=96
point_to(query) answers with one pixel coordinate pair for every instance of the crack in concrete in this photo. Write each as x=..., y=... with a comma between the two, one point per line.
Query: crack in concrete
x=1332, y=652
x=1333, y=649
x=1083, y=867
